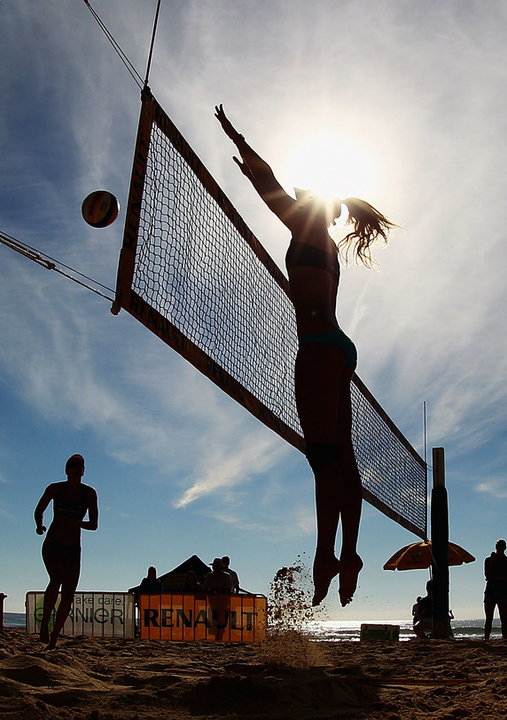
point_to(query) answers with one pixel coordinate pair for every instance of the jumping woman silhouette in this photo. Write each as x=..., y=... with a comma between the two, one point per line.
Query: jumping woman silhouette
x=326, y=358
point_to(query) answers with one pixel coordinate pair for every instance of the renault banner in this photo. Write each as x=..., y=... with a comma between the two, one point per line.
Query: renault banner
x=224, y=618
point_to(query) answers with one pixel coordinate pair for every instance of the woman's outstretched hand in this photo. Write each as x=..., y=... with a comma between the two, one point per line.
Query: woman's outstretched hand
x=226, y=124
x=231, y=132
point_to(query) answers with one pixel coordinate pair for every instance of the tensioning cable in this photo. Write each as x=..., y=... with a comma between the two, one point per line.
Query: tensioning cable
x=51, y=263
x=118, y=50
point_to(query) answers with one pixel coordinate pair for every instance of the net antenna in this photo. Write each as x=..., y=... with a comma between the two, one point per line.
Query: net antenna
x=194, y=274
x=152, y=43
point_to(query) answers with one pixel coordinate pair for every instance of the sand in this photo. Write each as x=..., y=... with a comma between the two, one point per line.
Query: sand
x=99, y=679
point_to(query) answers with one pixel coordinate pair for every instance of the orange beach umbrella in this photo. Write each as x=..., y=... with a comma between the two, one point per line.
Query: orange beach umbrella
x=418, y=556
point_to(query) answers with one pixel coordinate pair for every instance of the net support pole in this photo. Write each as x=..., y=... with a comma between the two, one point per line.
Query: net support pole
x=440, y=547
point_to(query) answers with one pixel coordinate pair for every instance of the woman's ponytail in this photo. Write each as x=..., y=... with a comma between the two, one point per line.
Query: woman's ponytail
x=369, y=225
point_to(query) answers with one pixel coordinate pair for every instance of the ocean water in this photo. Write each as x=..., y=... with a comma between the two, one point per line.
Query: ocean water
x=14, y=619
x=336, y=631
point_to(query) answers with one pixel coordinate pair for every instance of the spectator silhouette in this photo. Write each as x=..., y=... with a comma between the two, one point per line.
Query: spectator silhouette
x=423, y=626
x=150, y=585
x=234, y=575
x=218, y=581
x=495, y=570
x=415, y=610
x=192, y=584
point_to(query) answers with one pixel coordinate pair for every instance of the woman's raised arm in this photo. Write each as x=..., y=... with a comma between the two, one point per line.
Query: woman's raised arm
x=259, y=173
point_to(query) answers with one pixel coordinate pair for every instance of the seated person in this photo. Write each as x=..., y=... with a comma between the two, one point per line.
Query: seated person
x=423, y=627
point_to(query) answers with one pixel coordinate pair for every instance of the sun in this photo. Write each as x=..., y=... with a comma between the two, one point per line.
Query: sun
x=331, y=166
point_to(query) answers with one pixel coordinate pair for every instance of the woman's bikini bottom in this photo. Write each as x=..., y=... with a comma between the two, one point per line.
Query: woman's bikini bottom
x=336, y=338
x=320, y=454
x=54, y=552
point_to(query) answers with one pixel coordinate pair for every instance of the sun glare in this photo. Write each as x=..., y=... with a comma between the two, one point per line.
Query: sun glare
x=331, y=166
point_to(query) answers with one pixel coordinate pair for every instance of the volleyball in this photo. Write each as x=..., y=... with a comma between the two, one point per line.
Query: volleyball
x=100, y=208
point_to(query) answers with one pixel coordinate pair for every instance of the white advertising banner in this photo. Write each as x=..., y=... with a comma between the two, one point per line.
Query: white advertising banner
x=98, y=614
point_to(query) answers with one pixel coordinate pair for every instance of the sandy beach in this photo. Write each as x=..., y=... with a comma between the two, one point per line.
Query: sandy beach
x=100, y=679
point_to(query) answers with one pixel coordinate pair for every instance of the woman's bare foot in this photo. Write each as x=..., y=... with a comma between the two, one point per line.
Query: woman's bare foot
x=324, y=570
x=52, y=642
x=350, y=567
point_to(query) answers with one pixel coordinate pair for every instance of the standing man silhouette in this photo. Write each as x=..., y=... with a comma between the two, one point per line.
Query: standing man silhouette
x=226, y=561
x=495, y=570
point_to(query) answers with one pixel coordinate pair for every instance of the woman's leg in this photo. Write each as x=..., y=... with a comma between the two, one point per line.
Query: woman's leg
x=351, y=506
x=322, y=385
x=502, y=610
x=489, y=611
x=55, y=571
x=70, y=580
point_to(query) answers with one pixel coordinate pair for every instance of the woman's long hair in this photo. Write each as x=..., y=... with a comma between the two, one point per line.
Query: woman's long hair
x=369, y=225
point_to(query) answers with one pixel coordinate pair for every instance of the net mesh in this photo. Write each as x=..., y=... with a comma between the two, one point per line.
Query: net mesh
x=195, y=269
x=195, y=264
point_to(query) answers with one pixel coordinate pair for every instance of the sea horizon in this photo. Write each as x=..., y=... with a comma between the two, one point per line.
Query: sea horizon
x=345, y=630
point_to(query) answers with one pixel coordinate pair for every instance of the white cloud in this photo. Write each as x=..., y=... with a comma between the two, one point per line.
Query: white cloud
x=495, y=487
x=229, y=457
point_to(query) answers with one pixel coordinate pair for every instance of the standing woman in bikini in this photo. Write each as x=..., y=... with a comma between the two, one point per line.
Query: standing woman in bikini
x=326, y=358
x=61, y=549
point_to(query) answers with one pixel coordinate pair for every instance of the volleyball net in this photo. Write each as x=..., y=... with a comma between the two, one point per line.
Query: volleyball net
x=194, y=274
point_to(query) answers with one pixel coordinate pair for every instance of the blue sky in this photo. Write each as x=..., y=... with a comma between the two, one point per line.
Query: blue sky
x=413, y=95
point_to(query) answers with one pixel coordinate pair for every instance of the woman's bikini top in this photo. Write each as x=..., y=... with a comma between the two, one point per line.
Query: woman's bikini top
x=73, y=508
x=301, y=253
